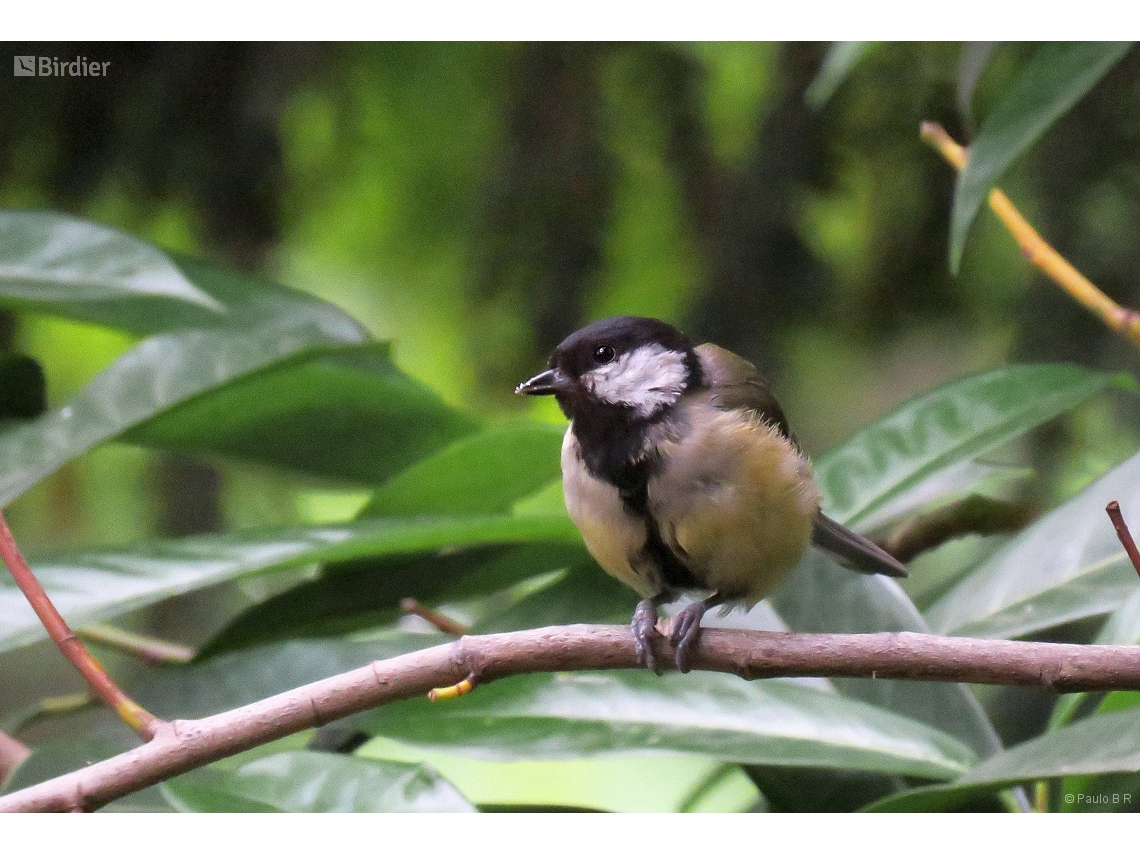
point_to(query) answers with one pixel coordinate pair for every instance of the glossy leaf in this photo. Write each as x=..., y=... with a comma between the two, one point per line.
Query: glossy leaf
x=157, y=374
x=840, y=58
x=314, y=782
x=360, y=595
x=347, y=413
x=821, y=596
x=956, y=422
x=1122, y=627
x=975, y=57
x=1097, y=745
x=242, y=677
x=54, y=257
x=94, y=586
x=87, y=272
x=1059, y=74
x=770, y=722
x=1067, y=565
x=484, y=473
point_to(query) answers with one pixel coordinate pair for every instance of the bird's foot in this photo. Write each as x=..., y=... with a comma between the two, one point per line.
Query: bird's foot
x=644, y=628
x=686, y=629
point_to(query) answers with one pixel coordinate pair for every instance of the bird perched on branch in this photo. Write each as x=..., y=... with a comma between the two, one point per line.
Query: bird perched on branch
x=680, y=471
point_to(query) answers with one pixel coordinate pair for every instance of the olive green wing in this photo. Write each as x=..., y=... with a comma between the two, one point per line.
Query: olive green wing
x=735, y=384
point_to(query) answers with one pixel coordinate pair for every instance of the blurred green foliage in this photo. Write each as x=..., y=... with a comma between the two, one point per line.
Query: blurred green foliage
x=444, y=214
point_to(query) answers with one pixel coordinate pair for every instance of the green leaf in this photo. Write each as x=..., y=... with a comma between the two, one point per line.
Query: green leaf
x=1067, y=565
x=359, y=595
x=54, y=257
x=347, y=413
x=771, y=722
x=98, y=585
x=312, y=782
x=194, y=350
x=586, y=594
x=484, y=473
x=1097, y=745
x=837, y=63
x=160, y=372
x=243, y=677
x=956, y=422
x=1059, y=74
x=1122, y=627
x=820, y=596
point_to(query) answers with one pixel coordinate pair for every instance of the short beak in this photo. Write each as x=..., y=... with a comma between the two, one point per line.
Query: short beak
x=547, y=383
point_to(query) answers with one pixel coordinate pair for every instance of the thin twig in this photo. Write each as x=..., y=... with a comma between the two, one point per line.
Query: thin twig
x=1124, y=321
x=185, y=745
x=138, y=719
x=439, y=620
x=149, y=649
x=1124, y=534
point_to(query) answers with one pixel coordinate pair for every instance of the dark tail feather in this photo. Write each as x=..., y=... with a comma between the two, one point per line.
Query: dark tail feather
x=853, y=550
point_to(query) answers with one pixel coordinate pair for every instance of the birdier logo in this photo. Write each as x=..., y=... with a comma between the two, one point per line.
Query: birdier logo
x=50, y=66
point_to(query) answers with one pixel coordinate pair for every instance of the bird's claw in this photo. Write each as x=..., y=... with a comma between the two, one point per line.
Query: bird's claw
x=644, y=626
x=686, y=629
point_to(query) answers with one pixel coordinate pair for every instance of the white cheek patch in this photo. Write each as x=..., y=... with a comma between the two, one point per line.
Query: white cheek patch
x=645, y=379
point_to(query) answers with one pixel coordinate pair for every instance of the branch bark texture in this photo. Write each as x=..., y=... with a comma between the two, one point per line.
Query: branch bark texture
x=180, y=746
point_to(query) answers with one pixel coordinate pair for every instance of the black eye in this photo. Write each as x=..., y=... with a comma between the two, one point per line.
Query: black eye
x=603, y=354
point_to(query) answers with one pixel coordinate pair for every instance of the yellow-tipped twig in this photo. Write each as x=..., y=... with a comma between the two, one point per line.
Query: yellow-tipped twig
x=138, y=719
x=1037, y=249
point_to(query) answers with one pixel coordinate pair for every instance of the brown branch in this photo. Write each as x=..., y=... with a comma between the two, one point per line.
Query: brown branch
x=972, y=515
x=1037, y=250
x=184, y=745
x=138, y=719
x=12, y=754
x=1123, y=534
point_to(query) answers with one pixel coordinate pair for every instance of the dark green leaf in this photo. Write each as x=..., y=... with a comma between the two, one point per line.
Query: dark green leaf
x=94, y=586
x=311, y=782
x=1097, y=745
x=23, y=391
x=789, y=790
x=770, y=722
x=349, y=413
x=1068, y=565
x=586, y=594
x=358, y=595
x=1122, y=627
x=823, y=597
x=840, y=58
x=484, y=473
x=1055, y=79
x=954, y=423
x=243, y=677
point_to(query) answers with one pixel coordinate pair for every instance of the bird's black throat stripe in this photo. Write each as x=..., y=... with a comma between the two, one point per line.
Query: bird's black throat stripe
x=616, y=455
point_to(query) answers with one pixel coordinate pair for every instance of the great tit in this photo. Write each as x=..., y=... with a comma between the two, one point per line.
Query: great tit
x=681, y=473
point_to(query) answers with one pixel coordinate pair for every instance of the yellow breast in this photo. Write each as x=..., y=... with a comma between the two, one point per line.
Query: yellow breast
x=736, y=500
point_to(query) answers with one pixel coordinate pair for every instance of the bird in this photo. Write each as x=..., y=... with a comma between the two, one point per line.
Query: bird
x=682, y=475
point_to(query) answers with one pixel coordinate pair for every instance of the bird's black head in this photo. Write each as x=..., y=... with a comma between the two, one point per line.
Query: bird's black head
x=637, y=367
